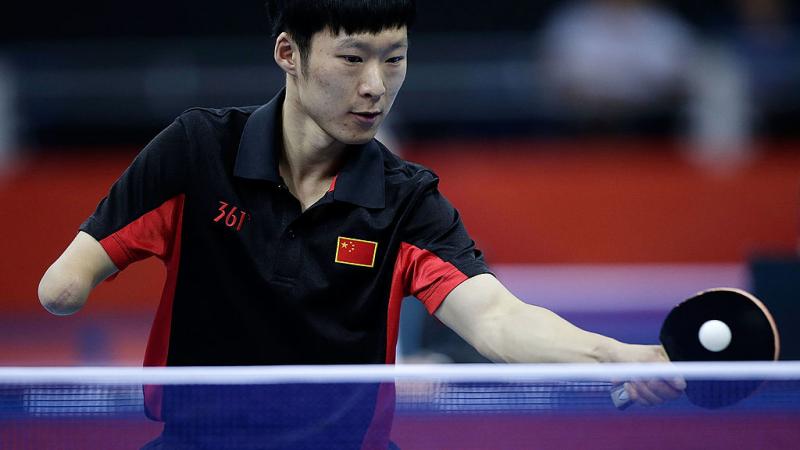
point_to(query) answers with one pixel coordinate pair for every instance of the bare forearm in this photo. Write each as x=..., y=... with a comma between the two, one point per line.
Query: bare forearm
x=505, y=329
x=530, y=334
x=526, y=333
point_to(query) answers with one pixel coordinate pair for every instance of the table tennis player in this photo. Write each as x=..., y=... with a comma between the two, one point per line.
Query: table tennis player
x=290, y=235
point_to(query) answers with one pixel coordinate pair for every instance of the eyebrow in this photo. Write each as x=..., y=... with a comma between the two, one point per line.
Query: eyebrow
x=351, y=42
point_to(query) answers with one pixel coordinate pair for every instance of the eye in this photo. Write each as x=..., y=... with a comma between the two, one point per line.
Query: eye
x=395, y=60
x=352, y=59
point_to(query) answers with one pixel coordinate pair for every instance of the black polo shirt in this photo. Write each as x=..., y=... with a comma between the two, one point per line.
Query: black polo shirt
x=252, y=279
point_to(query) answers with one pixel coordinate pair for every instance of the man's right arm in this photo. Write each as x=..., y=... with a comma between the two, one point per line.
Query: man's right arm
x=68, y=281
x=130, y=211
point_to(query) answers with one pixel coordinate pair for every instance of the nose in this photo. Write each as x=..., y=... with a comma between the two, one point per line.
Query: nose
x=372, y=85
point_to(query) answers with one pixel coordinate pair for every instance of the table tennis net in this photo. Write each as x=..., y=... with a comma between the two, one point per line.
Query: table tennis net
x=407, y=407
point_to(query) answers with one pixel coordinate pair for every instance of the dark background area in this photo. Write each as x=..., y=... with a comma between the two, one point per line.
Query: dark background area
x=607, y=204
x=93, y=73
x=97, y=19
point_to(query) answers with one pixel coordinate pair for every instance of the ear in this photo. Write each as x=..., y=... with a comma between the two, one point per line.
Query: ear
x=286, y=54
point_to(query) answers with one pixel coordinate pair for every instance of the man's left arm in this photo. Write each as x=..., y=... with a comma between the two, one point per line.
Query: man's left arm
x=505, y=329
x=447, y=273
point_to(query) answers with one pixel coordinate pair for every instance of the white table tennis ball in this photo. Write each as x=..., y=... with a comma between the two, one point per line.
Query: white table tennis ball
x=714, y=335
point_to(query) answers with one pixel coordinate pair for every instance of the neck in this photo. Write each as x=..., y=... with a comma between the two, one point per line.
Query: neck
x=309, y=153
x=311, y=158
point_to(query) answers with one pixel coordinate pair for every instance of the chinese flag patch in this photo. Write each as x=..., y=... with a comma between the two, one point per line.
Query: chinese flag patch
x=356, y=252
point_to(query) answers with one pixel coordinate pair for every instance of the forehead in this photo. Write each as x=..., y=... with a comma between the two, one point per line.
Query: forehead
x=388, y=38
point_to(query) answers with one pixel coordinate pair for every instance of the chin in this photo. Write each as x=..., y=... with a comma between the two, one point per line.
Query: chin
x=362, y=141
x=358, y=139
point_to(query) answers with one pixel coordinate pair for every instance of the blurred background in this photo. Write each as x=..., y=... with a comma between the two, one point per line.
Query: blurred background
x=611, y=157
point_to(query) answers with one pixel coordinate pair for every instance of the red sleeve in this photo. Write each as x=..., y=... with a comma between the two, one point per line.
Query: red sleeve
x=429, y=278
x=437, y=253
x=152, y=234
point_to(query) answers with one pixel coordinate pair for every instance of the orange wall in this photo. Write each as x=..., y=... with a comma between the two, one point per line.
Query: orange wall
x=523, y=202
x=600, y=203
x=44, y=201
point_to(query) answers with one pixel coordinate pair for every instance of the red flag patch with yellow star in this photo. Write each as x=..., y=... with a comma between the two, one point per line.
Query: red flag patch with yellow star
x=356, y=252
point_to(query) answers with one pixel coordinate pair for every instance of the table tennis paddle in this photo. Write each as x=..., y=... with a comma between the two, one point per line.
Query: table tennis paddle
x=721, y=324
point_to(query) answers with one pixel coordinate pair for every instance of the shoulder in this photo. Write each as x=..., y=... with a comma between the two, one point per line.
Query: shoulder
x=215, y=120
x=214, y=133
x=400, y=173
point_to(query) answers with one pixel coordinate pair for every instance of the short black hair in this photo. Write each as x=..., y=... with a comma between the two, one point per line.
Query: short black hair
x=302, y=18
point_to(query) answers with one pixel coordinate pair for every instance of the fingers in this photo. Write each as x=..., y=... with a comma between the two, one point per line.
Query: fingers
x=640, y=394
x=664, y=389
x=677, y=383
x=654, y=392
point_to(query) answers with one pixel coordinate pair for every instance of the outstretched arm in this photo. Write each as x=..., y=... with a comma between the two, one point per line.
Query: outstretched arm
x=67, y=282
x=505, y=329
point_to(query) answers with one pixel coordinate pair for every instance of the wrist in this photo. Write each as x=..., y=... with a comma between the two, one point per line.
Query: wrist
x=635, y=353
x=609, y=350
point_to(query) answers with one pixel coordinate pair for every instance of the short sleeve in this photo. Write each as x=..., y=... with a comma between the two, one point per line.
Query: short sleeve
x=138, y=217
x=437, y=254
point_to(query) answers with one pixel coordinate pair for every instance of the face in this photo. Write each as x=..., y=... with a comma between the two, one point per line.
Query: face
x=349, y=82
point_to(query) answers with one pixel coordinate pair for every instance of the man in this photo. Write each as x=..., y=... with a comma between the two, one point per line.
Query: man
x=290, y=235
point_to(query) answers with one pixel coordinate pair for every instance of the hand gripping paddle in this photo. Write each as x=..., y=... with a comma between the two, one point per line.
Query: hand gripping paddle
x=721, y=324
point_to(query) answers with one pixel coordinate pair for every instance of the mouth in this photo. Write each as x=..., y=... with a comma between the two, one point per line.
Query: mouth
x=367, y=117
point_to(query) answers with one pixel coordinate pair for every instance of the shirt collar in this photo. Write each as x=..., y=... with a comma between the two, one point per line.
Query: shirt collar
x=260, y=145
x=361, y=180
